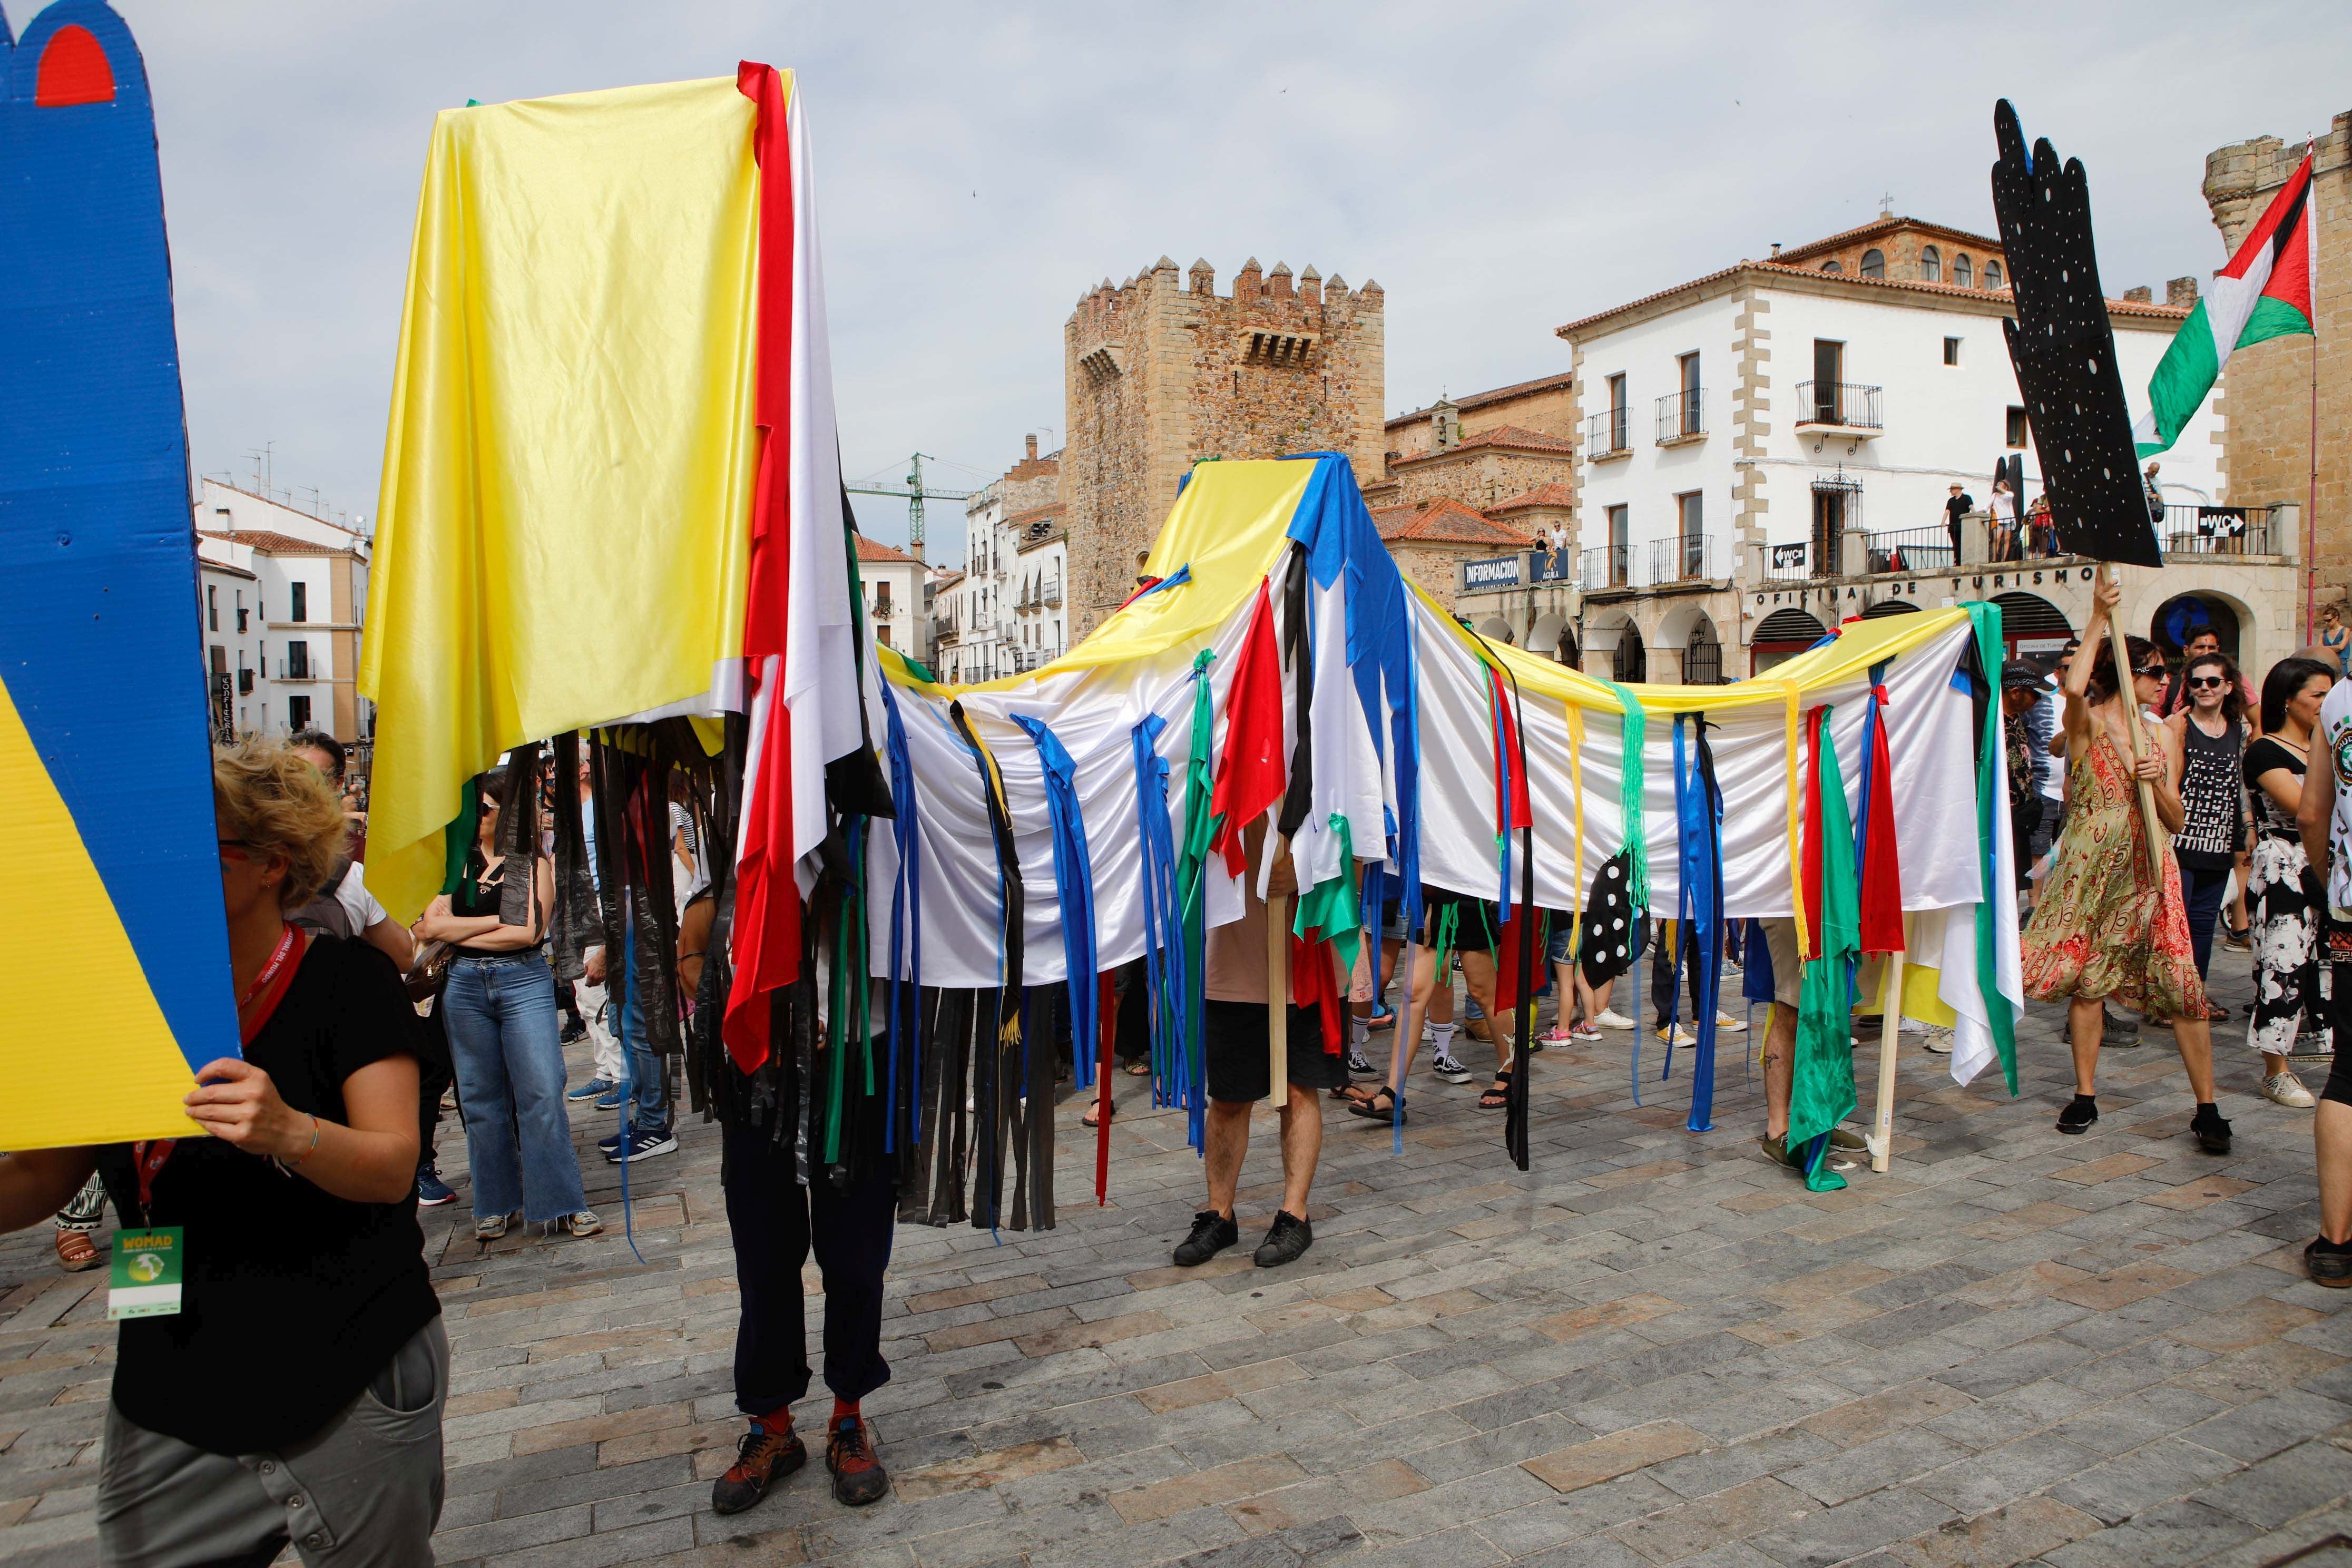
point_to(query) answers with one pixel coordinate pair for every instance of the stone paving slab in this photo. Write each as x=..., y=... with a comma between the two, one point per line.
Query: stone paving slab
x=1653, y=1348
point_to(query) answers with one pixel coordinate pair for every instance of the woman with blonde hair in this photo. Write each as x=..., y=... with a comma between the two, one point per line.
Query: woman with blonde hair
x=300, y=1252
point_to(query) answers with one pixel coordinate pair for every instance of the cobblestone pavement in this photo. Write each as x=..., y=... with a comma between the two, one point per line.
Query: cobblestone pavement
x=1653, y=1348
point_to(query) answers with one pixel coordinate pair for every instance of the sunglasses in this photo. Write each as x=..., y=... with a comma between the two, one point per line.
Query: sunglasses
x=2205, y=682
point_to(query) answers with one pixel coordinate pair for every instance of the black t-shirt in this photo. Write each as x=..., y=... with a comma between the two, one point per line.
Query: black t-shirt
x=292, y=1297
x=1958, y=507
x=2264, y=756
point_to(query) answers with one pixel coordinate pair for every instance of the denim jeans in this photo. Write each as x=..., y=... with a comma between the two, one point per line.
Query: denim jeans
x=2201, y=889
x=505, y=1043
x=648, y=1074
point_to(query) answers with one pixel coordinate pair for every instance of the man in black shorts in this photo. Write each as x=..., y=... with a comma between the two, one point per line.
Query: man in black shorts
x=1241, y=1073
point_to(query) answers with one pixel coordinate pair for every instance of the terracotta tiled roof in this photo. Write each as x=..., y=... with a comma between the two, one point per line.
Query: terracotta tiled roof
x=873, y=550
x=1849, y=280
x=209, y=564
x=276, y=543
x=1887, y=225
x=1514, y=437
x=1498, y=395
x=1542, y=495
x=1022, y=519
x=1446, y=522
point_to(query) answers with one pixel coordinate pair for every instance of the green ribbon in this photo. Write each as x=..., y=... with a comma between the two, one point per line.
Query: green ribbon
x=1630, y=783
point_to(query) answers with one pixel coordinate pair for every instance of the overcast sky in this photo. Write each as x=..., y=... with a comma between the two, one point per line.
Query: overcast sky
x=1498, y=168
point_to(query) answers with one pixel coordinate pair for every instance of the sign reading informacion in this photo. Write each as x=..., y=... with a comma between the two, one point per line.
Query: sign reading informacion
x=1495, y=572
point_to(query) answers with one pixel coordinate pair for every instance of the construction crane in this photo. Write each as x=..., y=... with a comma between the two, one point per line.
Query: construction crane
x=914, y=492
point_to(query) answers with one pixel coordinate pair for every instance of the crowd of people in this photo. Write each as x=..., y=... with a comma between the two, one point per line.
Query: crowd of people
x=300, y=1211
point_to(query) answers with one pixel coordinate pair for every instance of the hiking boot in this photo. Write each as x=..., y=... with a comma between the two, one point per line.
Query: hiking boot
x=1284, y=1240
x=1212, y=1234
x=2329, y=1264
x=763, y=1457
x=2210, y=1130
x=858, y=1476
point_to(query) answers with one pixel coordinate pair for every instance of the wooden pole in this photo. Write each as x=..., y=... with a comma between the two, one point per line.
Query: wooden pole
x=1278, y=988
x=1890, y=1026
x=2129, y=696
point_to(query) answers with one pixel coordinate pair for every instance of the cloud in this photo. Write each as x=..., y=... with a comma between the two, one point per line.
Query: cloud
x=1498, y=168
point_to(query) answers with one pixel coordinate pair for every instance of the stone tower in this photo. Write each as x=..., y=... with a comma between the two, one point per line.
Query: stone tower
x=1157, y=375
x=2266, y=442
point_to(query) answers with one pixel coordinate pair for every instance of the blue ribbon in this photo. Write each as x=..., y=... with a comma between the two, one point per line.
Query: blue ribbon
x=1073, y=886
x=905, y=903
x=1163, y=942
x=1176, y=579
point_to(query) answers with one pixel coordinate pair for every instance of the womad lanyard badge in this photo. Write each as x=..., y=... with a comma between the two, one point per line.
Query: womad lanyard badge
x=147, y=1263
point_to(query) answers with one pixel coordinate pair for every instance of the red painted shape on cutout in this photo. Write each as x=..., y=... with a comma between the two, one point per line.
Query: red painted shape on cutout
x=73, y=71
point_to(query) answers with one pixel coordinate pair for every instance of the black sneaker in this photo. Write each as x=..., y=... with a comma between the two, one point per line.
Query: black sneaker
x=2329, y=1264
x=2210, y=1131
x=1212, y=1234
x=1359, y=1064
x=1284, y=1240
x=761, y=1458
x=2080, y=1113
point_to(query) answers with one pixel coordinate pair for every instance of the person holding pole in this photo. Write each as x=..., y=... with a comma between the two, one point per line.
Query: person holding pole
x=2111, y=921
x=1241, y=1072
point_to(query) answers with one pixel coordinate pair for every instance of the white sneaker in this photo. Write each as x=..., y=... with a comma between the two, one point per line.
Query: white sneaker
x=2285, y=1088
x=1725, y=1024
x=1446, y=1068
x=1938, y=1042
x=1611, y=1018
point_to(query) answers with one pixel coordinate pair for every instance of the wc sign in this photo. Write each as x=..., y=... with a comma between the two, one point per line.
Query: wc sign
x=1496, y=572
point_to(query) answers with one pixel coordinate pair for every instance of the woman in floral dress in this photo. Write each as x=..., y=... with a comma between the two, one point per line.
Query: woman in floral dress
x=2290, y=980
x=2104, y=925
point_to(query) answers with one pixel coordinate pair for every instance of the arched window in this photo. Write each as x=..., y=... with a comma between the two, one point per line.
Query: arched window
x=1963, y=273
x=1873, y=263
x=1931, y=265
x=1992, y=274
x=1832, y=267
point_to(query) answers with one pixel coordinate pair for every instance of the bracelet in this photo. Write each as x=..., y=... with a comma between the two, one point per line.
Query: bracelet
x=296, y=1162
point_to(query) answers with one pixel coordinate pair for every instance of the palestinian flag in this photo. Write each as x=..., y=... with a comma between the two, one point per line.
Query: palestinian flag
x=2264, y=292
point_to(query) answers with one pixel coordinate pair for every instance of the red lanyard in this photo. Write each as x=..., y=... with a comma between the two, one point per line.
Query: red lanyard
x=268, y=990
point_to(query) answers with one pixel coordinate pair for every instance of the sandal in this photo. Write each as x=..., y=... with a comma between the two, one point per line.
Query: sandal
x=1369, y=1106
x=1356, y=1094
x=1090, y=1117
x=1499, y=1096
x=76, y=1251
x=1140, y=1068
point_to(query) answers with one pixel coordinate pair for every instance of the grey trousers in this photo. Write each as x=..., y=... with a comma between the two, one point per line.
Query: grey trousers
x=364, y=1491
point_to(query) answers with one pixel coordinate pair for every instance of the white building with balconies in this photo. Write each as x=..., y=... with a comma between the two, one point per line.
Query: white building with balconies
x=1769, y=449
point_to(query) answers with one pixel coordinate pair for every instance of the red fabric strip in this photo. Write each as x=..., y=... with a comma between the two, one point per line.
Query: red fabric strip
x=1249, y=773
x=767, y=930
x=1882, y=869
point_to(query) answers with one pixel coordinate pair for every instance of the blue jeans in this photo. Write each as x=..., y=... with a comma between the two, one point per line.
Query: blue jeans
x=649, y=1080
x=2201, y=890
x=504, y=1042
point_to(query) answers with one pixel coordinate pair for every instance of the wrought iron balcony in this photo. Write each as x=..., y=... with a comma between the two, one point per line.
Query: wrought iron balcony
x=1682, y=416
x=1842, y=403
x=1605, y=435
x=1683, y=557
x=1606, y=566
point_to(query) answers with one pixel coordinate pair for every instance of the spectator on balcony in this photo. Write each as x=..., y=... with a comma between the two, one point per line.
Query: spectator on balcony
x=2040, y=533
x=2155, y=498
x=2005, y=545
x=1960, y=504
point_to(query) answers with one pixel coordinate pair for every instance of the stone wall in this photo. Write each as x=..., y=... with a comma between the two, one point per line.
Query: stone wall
x=2266, y=445
x=1158, y=376
x=1478, y=478
x=1435, y=566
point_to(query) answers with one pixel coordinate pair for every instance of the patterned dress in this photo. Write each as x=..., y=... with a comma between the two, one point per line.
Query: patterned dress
x=2103, y=926
x=2291, y=973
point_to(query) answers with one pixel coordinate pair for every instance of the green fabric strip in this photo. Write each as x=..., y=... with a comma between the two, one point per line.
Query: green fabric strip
x=2271, y=318
x=1333, y=910
x=1990, y=778
x=1822, y=1091
x=457, y=841
x=1632, y=730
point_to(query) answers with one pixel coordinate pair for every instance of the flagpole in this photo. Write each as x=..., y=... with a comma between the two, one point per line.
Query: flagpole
x=2129, y=696
x=1890, y=1027
x=1277, y=986
x=2311, y=508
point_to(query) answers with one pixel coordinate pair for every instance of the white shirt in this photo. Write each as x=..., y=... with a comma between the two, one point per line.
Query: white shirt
x=2336, y=752
x=357, y=901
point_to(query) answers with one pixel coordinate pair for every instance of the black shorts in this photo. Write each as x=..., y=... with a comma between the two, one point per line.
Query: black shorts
x=1475, y=920
x=1241, y=1068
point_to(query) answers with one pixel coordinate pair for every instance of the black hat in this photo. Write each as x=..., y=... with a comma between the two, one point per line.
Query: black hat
x=2018, y=672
